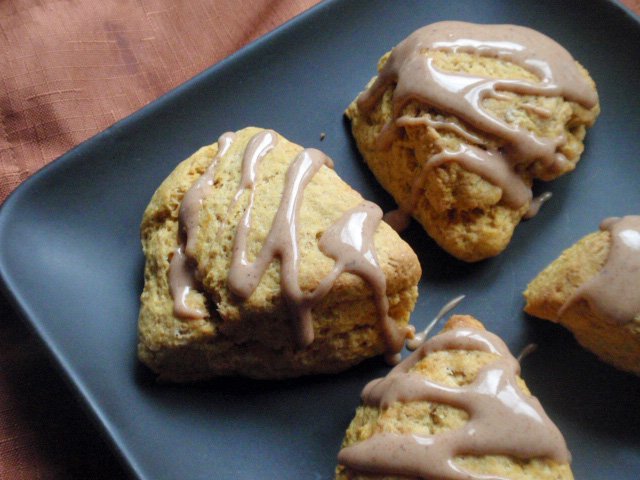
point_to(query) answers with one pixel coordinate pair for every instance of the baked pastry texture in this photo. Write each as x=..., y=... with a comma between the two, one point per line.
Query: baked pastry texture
x=593, y=289
x=303, y=300
x=455, y=409
x=462, y=118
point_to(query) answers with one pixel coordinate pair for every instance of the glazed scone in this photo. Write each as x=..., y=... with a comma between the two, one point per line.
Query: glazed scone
x=593, y=289
x=455, y=409
x=462, y=118
x=218, y=207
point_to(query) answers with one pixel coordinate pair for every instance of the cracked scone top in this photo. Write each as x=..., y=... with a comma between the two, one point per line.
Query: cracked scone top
x=462, y=118
x=455, y=409
x=593, y=289
x=261, y=261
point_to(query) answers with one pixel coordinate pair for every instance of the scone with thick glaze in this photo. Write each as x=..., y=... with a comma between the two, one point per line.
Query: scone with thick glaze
x=454, y=409
x=462, y=118
x=593, y=289
x=261, y=261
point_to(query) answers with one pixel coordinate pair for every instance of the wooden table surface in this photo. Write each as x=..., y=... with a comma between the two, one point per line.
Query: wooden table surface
x=68, y=71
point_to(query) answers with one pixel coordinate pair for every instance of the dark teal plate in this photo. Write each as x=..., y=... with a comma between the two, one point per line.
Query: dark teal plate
x=71, y=262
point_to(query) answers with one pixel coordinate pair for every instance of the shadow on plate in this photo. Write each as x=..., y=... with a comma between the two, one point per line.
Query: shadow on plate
x=582, y=389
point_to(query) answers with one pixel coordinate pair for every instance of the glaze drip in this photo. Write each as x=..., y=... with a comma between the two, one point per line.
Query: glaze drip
x=613, y=292
x=181, y=281
x=502, y=419
x=192, y=200
x=259, y=146
x=536, y=204
x=485, y=163
x=349, y=242
x=417, y=78
x=440, y=125
x=281, y=242
x=182, y=276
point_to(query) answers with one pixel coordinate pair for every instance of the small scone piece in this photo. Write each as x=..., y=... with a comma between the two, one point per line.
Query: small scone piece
x=462, y=118
x=593, y=289
x=455, y=409
x=261, y=261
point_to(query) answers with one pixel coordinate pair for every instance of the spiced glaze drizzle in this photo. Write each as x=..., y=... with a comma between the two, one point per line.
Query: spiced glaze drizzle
x=416, y=78
x=502, y=419
x=613, y=293
x=349, y=241
x=181, y=271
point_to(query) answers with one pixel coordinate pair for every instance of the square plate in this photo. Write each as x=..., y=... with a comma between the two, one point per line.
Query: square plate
x=71, y=262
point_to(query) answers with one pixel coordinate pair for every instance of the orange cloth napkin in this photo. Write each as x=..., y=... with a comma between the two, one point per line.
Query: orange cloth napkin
x=69, y=69
x=634, y=5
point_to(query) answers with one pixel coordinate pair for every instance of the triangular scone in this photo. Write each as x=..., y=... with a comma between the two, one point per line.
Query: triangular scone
x=560, y=293
x=455, y=409
x=456, y=129
x=196, y=328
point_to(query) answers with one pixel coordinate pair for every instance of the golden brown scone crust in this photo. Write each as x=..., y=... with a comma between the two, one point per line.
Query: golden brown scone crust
x=461, y=211
x=451, y=368
x=618, y=345
x=253, y=338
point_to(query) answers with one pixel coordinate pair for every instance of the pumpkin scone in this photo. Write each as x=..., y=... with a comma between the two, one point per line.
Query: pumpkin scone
x=454, y=409
x=593, y=289
x=462, y=118
x=261, y=261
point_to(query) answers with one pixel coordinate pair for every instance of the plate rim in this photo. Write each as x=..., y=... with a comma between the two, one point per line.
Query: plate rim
x=16, y=298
